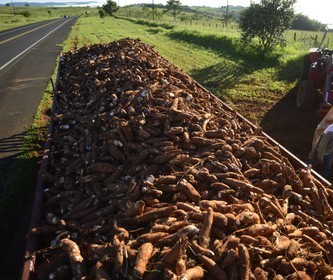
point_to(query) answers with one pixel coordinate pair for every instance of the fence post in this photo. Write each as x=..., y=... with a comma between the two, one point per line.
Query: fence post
x=295, y=36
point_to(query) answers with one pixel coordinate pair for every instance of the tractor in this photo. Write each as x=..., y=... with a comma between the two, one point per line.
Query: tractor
x=316, y=75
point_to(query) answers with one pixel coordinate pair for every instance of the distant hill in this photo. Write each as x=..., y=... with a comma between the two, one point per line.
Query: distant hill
x=49, y=4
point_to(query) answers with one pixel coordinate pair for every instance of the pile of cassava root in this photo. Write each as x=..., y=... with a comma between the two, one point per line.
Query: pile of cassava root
x=150, y=176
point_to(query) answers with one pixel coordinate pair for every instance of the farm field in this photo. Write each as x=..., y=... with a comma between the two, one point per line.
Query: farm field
x=261, y=89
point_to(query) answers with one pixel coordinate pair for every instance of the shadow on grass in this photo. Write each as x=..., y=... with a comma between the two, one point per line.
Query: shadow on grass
x=291, y=69
x=154, y=30
x=237, y=60
x=11, y=145
x=220, y=75
x=150, y=24
x=227, y=47
x=223, y=45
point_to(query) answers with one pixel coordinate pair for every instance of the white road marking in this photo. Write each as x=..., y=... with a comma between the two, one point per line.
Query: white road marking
x=19, y=28
x=34, y=44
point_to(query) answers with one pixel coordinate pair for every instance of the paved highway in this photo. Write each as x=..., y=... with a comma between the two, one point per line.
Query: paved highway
x=28, y=57
x=15, y=42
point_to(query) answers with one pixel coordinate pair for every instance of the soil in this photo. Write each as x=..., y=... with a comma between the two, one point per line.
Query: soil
x=290, y=127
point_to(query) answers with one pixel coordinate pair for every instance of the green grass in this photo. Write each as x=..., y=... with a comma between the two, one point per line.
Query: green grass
x=9, y=19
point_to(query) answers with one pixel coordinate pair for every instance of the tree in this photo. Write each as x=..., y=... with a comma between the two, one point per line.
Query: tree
x=26, y=13
x=101, y=14
x=110, y=7
x=174, y=6
x=267, y=21
x=153, y=12
x=302, y=22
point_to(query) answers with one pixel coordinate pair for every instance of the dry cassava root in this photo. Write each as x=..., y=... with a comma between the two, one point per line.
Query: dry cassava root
x=151, y=176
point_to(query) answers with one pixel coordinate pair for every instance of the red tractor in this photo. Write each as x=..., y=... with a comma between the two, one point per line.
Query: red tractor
x=317, y=74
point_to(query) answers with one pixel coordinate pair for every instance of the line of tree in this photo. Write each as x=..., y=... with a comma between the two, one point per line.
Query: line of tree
x=265, y=21
x=172, y=6
x=152, y=11
x=302, y=22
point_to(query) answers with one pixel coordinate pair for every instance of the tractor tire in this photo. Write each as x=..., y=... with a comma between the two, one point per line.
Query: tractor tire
x=305, y=68
x=306, y=94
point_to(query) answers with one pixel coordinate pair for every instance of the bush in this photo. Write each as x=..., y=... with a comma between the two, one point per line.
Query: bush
x=26, y=13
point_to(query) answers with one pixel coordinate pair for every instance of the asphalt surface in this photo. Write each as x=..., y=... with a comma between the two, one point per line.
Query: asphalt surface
x=28, y=57
x=27, y=60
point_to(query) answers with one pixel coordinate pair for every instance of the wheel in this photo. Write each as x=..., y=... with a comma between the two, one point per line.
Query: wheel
x=306, y=93
x=305, y=68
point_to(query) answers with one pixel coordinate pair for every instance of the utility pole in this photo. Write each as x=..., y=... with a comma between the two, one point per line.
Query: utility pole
x=153, y=8
x=13, y=7
x=227, y=14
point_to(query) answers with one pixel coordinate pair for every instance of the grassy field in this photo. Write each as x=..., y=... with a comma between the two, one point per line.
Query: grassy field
x=9, y=19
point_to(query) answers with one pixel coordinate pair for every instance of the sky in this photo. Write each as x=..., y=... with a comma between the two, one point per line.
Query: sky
x=321, y=10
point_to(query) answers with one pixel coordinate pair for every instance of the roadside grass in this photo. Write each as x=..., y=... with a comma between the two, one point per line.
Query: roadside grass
x=9, y=19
